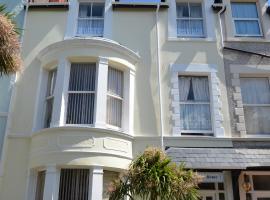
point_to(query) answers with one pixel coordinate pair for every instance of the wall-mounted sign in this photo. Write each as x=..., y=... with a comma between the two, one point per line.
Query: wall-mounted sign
x=212, y=177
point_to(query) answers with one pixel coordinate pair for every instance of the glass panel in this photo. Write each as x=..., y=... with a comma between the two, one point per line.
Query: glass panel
x=40, y=185
x=221, y=196
x=80, y=108
x=244, y=10
x=261, y=182
x=85, y=10
x=114, y=111
x=82, y=77
x=48, y=114
x=182, y=10
x=209, y=198
x=195, y=117
x=255, y=90
x=220, y=186
x=196, y=28
x=98, y=10
x=74, y=184
x=115, y=82
x=5, y=88
x=257, y=120
x=97, y=27
x=247, y=27
x=195, y=10
x=51, y=83
x=3, y=121
x=207, y=186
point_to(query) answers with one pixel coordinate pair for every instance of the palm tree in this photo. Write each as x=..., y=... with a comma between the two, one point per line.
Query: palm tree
x=10, y=60
x=152, y=176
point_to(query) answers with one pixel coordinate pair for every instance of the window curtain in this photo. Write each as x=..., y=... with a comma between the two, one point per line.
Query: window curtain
x=81, y=99
x=74, y=184
x=248, y=11
x=256, y=91
x=115, y=95
x=195, y=111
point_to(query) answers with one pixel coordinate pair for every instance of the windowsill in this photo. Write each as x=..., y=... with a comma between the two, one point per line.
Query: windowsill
x=49, y=5
x=247, y=39
x=174, y=39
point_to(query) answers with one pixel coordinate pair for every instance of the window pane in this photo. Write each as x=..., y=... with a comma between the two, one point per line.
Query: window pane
x=195, y=117
x=261, y=182
x=74, y=184
x=195, y=10
x=196, y=28
x=114, y=111
x=194, y=89
x=80, y=108
x=84, y=10
x=247, y=27
x=244, y=10
x=255, y=90
x=115, y=82
x=182, y=10
x=257, y=120
x=48, y=113
x=221, y=196
x=183, y=27
x=3, y=121
x=5, y=88
x=40, y=185
x=51, y=83
x=207, y=186
x=97, y=27
x=82, y=77
x=97, y=10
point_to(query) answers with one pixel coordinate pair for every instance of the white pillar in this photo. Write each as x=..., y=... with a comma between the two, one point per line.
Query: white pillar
x=51, y=186
x=101, y=92
x=96, y=183
x=60, y=98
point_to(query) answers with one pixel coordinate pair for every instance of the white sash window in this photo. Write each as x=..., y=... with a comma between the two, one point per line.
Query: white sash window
x=91, y=19
x=81, y=94
x=256, y=103
x=115, y=97
x=246, y=19
x=189, y=20
x=195, y=112
x=49, y=97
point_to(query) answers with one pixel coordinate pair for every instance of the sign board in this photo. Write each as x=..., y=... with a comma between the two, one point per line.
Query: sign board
x=212, y=177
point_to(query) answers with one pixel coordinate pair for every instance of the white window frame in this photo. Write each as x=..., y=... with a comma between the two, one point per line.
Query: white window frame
x=190, y=19
x=199, y=103
x=67, y=92
x=247, y=19
x=90, y=18
x=256, y=105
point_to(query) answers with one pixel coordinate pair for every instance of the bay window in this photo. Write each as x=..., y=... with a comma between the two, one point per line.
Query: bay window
x=91, y=19
x=49, y=97
x=115, y=97
x=195, y=112
x=256, y=103
x=190, y=21
x=246, y=19
x=81, y=93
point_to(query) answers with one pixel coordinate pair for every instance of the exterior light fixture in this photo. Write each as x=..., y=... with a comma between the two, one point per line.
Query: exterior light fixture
x=246, y=185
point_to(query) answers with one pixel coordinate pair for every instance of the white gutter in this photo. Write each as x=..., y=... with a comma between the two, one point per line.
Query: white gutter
x=220, y=24
x=25, y=2
x=159, y=79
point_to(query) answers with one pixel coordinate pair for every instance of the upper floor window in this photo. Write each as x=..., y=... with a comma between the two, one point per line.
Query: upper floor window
x=81, y=93
x=115, y=97
x=49, y=97
x=246, y=19
x=189, y=20
x=91, y=19
x=256, y=103
x=195, y=112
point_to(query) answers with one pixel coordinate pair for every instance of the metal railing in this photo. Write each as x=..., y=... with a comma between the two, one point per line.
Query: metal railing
x=48, y=1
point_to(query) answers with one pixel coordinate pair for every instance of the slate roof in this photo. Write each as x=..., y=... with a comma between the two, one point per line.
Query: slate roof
x=220, y=158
